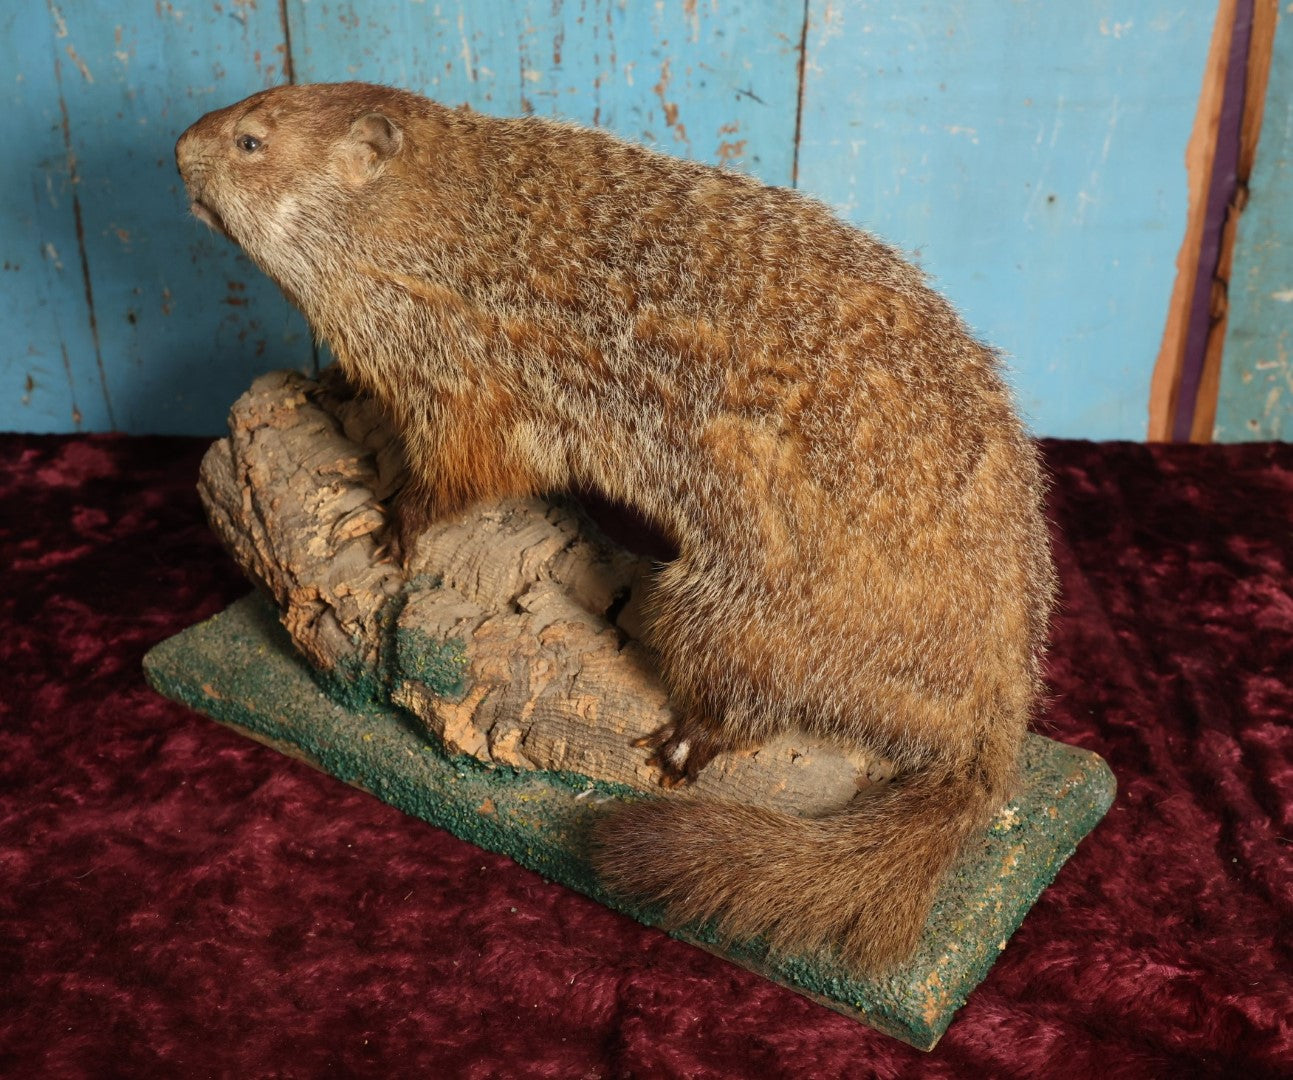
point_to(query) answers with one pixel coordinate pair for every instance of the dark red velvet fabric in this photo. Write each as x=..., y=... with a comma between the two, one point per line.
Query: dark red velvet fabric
x=179, y=901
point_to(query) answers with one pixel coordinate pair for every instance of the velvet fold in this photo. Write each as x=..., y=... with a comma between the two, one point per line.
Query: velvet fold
x=179, y=901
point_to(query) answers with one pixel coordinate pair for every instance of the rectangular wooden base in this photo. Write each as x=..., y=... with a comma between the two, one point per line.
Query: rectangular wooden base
x=240, y=669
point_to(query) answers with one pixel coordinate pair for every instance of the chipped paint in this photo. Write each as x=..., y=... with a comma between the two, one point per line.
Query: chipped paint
x=60, y=23
x=692, y=17
x=92, y=134
x=809, y=92
x=669, y=108
x=1046, y=198
x=960, y=129
x=121, y=55
x=81, y=65
x=732, y=151
x=78, y=222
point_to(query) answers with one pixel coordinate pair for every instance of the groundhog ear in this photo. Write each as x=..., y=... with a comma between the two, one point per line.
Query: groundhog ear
x=374, y=139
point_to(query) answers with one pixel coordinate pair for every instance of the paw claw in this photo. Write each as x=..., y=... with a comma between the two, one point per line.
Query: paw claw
x=679, y=757
x=391, y=548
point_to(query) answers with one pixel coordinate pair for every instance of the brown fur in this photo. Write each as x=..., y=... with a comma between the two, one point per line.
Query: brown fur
x=855, y=504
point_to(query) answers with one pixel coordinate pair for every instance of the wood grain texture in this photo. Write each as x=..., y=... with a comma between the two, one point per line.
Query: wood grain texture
x=716, y=81
x=1200, y=161
x=161, y=323
x=1255, y=399
x=1031, y=156
x=49, y=364
x=1256, y=77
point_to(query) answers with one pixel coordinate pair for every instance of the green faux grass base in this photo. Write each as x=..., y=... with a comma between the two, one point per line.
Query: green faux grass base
x=240, y=669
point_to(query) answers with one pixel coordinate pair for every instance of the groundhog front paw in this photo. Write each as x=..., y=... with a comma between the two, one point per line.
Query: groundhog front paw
x=679, y=753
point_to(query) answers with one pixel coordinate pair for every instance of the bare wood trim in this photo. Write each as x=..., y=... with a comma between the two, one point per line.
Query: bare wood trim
x=1200, y=156
x=1261, y=45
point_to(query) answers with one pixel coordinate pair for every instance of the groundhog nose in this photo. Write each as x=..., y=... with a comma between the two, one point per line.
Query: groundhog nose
x=185, y=146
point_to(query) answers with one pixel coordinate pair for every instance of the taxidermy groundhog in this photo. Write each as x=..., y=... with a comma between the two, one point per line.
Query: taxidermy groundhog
x=855, y=505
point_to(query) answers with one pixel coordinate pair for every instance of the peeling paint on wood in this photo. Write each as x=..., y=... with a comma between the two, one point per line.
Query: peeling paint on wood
x=1256, y=396
x=1030, y=154
x=112, y=310
x=683, y=77
x=1031, y=157
x=49, y=379
x=156, y=76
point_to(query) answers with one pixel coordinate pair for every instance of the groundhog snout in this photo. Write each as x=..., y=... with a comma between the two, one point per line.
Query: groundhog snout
x=196, y=148
x=186, y=153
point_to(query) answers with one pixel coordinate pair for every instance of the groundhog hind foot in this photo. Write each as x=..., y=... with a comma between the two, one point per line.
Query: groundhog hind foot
x=680, y=751
x=407, y=517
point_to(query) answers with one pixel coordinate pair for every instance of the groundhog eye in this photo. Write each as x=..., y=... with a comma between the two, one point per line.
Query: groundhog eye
x=248, y=143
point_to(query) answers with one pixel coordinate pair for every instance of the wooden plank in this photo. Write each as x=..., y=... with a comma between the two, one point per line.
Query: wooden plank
x=183, y=321
x=713, y=80
x=1030, y=153
x=1031, y=156
x=1200, y=160
x=1255, y=399
x=49, y=373
x=1261, y=44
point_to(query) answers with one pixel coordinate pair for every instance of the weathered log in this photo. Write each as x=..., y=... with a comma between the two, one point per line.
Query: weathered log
x=513, y=635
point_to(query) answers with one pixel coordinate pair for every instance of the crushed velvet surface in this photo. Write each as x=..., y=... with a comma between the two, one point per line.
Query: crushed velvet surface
x=178, y=901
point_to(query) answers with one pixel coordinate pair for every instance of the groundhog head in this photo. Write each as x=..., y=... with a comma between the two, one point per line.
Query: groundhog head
x=288, y=173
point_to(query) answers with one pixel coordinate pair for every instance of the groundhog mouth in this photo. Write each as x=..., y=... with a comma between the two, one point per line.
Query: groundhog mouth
x=209, y=218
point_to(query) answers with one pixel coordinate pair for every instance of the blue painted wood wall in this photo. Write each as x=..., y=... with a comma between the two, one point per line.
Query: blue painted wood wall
x=1256, y=395
x=1029, y=153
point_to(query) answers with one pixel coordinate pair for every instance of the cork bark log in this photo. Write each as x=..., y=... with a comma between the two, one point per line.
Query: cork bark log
x=514, y=634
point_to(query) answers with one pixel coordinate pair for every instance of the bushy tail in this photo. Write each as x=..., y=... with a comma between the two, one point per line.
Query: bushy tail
x=860, y=882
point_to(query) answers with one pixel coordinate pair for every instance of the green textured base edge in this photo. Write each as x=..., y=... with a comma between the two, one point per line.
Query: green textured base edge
x=240, y=669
